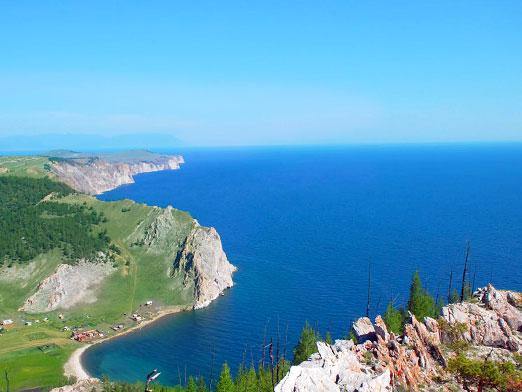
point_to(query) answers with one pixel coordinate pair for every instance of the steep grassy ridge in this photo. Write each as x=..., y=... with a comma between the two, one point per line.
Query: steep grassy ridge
x=143, y=243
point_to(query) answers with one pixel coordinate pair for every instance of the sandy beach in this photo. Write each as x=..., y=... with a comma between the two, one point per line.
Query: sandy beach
x=73, y=367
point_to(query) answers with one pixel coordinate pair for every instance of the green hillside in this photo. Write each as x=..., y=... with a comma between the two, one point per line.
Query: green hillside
x=45, y=224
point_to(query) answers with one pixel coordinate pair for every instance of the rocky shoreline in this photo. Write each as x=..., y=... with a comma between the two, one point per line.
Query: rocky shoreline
x=98, y=174
x=489, y=325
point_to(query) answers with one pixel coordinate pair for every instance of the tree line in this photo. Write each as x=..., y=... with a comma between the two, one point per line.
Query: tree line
x=30, y=227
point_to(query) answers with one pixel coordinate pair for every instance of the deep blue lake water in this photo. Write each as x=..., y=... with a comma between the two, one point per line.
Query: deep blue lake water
x=303, y=225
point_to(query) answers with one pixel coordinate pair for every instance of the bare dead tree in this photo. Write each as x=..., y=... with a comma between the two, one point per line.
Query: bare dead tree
x=449, y=287
x=465, y=271
x=264, y=344
x=277, y=350
x=286, y=341
x=271, y=353
x=369, y=290
x=474, y=276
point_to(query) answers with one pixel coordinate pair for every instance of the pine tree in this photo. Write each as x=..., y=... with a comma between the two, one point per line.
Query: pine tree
x=252, y=384
x=454, y=297
x=421, y=303
x=307, y=344
x=328, y=338
x=202, y=387
x=393, y=319
x=241, y=379
x=225, y=383
x=265, y=380
x=192, y=386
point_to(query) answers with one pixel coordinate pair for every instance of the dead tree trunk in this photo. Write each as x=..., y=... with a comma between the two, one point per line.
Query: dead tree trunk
x=449, y=287
x=369, y=290
x=465, y=272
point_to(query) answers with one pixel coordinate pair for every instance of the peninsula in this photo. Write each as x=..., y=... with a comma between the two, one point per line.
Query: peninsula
x=74, y=269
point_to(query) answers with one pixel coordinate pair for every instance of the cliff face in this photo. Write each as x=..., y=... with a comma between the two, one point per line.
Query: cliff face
x=203, y=261
x=97, y=175
x=491, y=324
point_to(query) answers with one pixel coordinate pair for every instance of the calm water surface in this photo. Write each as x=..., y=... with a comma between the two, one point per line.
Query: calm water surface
x=303, y=225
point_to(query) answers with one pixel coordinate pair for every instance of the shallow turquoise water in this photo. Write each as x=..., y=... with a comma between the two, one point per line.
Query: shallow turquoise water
x=302, y=225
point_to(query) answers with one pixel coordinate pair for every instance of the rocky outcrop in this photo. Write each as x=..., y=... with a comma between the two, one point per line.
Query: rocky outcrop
x=491, y=323
x=68, y=286
x=364, y=330
x=162, y=231
x=335, y=368
x=204, y=264
x=97, y=175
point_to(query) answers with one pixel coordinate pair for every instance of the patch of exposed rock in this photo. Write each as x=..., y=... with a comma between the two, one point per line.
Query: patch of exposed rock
x=161, y=231
x=89, y=385
x=493, y=321
x=204, y=264
x=381, y=360
x=334, y=368
x=69, y=285
x=97, y=175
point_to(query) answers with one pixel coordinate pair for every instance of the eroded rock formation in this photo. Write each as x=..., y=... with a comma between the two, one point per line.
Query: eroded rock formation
x=205, y=265
x=491, y=323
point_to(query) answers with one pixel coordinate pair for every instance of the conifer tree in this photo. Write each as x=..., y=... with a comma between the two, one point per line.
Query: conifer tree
x=202, y=387
x=454, y=297
x=225, y=383
x=241, y=379
x=192, y=386
x=328, y=338
x=421, y=303
x=393, y=319
x=265, y=380
x=252, y=382
x=307, y=344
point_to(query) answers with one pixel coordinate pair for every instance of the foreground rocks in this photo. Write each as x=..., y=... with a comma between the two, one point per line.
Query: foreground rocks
x=335, y=368
x=491, y=323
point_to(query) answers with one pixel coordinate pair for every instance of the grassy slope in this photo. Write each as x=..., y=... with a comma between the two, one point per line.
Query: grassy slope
x=140, y=276
x=23, y=166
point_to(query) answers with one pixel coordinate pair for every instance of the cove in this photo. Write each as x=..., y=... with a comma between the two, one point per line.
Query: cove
x=304, y=224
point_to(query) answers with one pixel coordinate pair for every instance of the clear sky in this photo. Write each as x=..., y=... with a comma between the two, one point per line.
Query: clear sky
x=264, y=72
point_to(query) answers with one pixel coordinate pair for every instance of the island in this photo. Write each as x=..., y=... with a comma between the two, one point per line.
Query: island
x=75, y=270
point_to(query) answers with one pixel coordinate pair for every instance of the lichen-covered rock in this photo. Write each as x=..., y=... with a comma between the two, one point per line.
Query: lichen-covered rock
x=68, y=286
x=205, y=265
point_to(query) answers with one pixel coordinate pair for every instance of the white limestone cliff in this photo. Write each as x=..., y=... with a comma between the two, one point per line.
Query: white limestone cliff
x=95, y=176
x=204, y=263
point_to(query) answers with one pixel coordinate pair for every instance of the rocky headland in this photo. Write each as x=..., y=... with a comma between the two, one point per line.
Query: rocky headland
x=95, y=174
x=489, y=325
x=155, y=261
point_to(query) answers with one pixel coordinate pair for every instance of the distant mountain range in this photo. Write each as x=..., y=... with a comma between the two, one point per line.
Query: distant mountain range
x=86, y=142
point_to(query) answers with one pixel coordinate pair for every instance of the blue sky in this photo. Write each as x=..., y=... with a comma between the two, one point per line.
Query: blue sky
x=270, y=72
